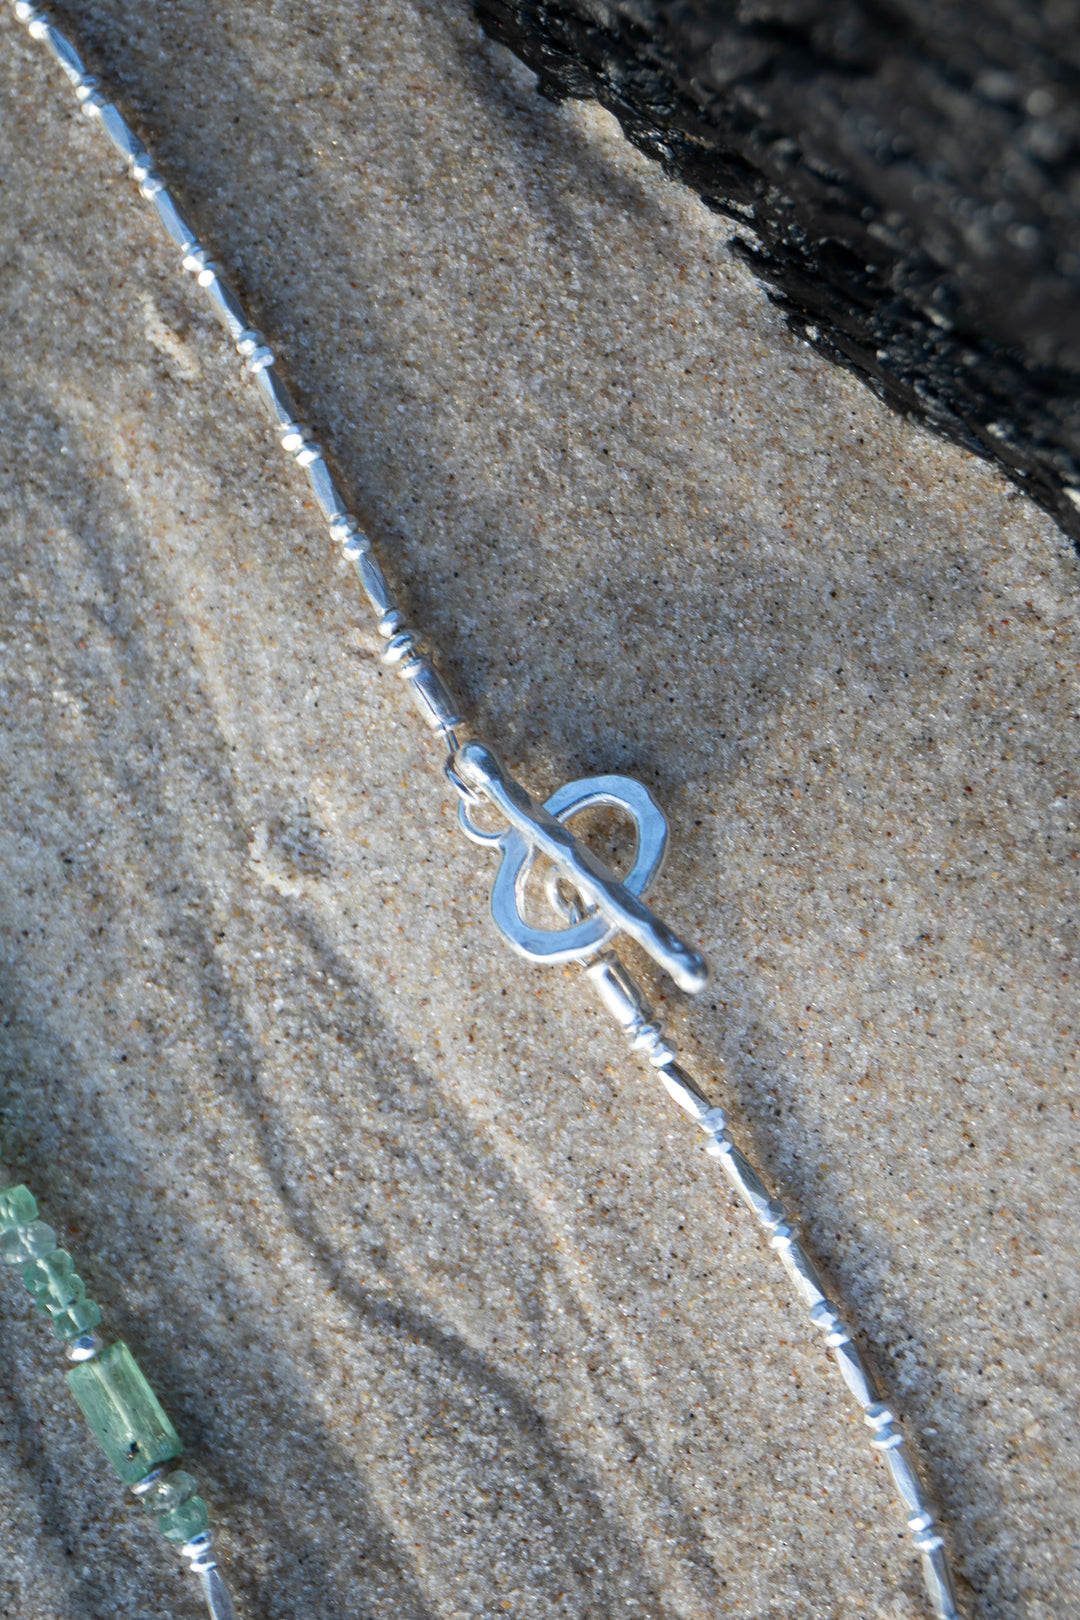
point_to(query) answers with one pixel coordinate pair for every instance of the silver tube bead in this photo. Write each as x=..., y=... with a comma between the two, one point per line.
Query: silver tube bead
x=280, y=406
x=218, y=1601
x=751, y=1189
x=120, y=133
x=431, y=695
x=64, y=52
x=331, y=502
x=223, y=301
x=938, y=1579
x=856, y=1374
x=374, y=586
x=689, y=1096
x=173, y=223
x=800, y=1268
x=909, y=1488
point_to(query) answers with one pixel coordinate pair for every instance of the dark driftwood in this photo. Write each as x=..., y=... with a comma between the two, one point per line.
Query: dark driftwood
x=911, y=171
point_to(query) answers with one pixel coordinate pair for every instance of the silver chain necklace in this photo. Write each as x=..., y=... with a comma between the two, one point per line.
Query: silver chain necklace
x=589, y=908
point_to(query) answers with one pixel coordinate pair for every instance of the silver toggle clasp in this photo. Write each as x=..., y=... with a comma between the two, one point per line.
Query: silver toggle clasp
x=535, y=829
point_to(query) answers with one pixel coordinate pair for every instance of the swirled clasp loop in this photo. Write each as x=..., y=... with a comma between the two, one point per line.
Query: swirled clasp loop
x=537, y=829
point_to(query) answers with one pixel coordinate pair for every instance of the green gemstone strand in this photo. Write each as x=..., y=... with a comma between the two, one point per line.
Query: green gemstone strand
x=112, y=1393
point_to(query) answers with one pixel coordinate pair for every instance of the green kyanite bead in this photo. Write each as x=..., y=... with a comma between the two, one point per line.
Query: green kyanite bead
x=185, y=1522
x=170, y=1493
x=53, y=1281
x=81, y=1316
x=124, y=1413
x=22, y=1243
x=18, y=1207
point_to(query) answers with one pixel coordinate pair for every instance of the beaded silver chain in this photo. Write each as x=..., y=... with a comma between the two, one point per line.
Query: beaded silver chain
x=591, y=905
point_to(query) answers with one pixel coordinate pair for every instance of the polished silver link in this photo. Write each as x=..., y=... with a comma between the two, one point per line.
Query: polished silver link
x=616, y=988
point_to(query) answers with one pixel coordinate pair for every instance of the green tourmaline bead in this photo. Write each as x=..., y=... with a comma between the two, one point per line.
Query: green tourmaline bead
x=185, y=1522
x=53, y=1281
x=81, y=1316
x=22, y=1243
x=124, y=1413
x=171, y=1492
x=18, y=1207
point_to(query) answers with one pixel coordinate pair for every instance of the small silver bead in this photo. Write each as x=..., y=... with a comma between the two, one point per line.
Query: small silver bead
x=200, y=1552
x=250, y=339
x=355, y=547
x=84, y=1348
x=879, y=1416
x=195, y=260
x=718, y=1147
x=147, y=1483
x=390, y=622
x=887, y=1439
x=308, y=452
x=400, y=647
x=831, y=1325
x=293, y=437
x=783, y=1235
x=28, y=14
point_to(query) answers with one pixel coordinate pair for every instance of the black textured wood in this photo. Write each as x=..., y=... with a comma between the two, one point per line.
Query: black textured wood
x=910, y=170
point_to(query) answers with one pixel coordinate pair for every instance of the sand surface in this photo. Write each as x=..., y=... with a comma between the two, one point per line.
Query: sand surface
x=449, y=1304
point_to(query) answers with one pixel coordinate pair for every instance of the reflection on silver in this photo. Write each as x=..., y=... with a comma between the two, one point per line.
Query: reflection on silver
x=537, y=829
